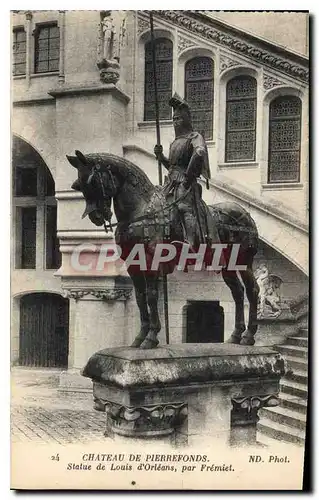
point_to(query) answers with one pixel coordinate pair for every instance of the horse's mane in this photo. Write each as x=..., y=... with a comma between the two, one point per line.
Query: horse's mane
x=125, y=168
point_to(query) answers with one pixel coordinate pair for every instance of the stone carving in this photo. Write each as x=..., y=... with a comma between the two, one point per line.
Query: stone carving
x=143, y=421
x=184, y=43
x=104, y=294
x=269, y=304
x=112, y=36
x=262, y=56
x=270, y=82
x=226, y=62
x=245, y=409
x=142, y=25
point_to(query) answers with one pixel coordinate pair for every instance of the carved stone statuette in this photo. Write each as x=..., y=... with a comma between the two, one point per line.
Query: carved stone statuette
x=269, y=303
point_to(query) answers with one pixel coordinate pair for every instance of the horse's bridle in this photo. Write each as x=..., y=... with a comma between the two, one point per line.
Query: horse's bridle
x=96, y=169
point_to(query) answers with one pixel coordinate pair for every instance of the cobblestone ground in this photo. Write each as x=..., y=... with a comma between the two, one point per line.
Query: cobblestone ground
x=39, y=412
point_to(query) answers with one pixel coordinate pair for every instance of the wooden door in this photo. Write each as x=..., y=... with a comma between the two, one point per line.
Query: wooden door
x=44, y=330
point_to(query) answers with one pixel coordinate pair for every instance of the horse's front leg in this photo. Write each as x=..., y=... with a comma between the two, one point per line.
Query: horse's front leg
x=141, y=300
x=151, y=339
x=252, y=292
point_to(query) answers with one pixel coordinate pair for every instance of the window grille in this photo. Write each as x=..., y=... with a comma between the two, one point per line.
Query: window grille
x=47, y=48
x=199, y=93
x=164, y=71
x=19, y=52
x=284, y=139
x=241, y=105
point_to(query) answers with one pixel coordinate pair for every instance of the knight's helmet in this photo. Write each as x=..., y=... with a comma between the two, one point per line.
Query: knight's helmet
x=176, y=102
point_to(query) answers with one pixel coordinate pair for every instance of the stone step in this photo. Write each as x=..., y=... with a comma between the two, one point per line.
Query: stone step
x=294, y=388
x=284, y=416
x=295, y=363
x=266, y=441
x=302, y=332
x=288, y=350
x=299, y=341
x=300, y=376
x=281, y=432
x=291, y=402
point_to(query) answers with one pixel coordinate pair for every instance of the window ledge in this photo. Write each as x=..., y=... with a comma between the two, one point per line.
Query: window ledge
x=18, y=77
x=49, y=73
x=282, y=186
x=152, y=123
x=239, y=164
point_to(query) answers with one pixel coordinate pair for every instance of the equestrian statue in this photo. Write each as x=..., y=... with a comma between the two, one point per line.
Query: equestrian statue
x=176, y=214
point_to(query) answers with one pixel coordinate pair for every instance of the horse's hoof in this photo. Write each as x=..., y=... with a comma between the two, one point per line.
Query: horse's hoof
x=138, y=341
x=247, y=341
x=139, y=338
x=149, y=344
x=233, y=339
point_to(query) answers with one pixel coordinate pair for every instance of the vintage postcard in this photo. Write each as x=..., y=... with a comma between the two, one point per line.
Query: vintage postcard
x=159, y=281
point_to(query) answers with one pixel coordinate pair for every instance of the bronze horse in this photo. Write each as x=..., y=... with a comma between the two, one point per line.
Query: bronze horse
x=103, y=177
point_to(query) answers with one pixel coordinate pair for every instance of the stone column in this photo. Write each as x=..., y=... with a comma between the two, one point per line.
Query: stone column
x=100, y=308
x=99, y=314
x=62, y=45
x=28, y=17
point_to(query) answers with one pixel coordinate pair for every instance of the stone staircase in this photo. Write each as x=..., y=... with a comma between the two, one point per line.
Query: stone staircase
x=287, y=422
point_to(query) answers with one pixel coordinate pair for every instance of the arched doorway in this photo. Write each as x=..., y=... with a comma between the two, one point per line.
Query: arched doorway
x=44, y=330
x=34, y=214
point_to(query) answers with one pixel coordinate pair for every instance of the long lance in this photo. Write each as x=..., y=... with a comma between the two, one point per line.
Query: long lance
x=160, y=176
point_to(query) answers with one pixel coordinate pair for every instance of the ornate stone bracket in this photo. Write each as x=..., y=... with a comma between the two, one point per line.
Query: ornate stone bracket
x=260, y=55
x=184, y=43
x=271, y=82
x=109, y=71
x=245, y=409
x=143, y=421
x=102, y=294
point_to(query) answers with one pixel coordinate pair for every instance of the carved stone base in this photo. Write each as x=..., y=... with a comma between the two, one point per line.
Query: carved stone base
x=143, y=421
x=192, y=392
x=109, y=71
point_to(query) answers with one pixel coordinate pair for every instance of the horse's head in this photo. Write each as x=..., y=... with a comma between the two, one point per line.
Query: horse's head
x=98, y=185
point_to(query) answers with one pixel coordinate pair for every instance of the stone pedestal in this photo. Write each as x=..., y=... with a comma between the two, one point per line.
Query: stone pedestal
x=185, y=393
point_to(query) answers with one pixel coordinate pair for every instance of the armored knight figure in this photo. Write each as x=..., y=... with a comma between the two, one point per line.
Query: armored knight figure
x=188, y=160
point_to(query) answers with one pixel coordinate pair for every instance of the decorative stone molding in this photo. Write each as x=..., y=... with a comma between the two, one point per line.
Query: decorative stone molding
x=184, y=43
x=204, y=29
x=143, y=421
x=142, y=25
x=271, y=82
x=226, y=62
x=102, y=294
x=245, y=409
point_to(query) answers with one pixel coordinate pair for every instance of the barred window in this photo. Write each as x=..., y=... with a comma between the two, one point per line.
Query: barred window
x=284, y=139
x=199, y=93
x=164, y=71
x=19, y=51
x=241, y=104
x=47, y=47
